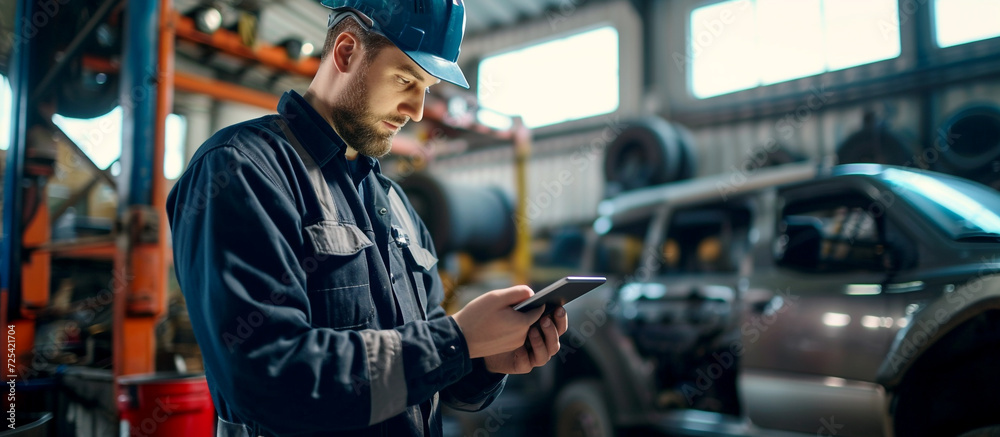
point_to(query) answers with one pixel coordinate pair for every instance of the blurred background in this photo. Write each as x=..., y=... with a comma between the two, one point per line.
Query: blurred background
x=573, y=102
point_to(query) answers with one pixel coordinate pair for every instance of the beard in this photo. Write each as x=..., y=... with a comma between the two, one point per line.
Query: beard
x=357, y=125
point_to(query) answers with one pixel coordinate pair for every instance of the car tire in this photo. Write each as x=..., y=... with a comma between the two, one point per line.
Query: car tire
x=989, y=431
x=582, y=412
x=956, y=398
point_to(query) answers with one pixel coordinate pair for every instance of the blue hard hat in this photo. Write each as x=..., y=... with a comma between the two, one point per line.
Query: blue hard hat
x=429, y=31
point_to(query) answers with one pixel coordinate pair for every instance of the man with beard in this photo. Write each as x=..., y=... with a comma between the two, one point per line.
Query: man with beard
x=311, y=283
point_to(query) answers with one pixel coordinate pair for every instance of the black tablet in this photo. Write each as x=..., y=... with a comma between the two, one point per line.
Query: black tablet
x=561, y=292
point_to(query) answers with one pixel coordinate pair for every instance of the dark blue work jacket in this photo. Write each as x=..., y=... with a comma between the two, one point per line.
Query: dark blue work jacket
x=317, y=310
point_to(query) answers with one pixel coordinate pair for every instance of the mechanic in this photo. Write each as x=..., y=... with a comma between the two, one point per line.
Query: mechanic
x=311, y=283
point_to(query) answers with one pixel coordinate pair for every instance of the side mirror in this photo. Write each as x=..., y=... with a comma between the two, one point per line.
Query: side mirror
x=800, y=243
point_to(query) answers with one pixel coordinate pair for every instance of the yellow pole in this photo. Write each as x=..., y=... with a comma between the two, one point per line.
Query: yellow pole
x=522, y=154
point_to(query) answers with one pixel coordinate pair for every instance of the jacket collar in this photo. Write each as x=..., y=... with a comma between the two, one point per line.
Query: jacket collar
x=316, y=135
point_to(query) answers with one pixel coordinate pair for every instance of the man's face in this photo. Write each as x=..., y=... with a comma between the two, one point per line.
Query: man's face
x=384, y=94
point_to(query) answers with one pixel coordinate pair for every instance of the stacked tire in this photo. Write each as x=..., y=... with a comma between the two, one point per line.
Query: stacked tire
x=969, y=144
x=649, y=151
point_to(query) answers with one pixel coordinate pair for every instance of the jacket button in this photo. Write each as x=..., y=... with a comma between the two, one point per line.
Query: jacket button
x=382, y=211
x=452, y=349
x=392, y=278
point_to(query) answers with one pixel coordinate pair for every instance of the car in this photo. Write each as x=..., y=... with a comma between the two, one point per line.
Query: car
x=857, y=300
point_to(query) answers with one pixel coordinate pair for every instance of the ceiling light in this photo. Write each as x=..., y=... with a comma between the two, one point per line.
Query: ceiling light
x=207, y=19
x=298, y=49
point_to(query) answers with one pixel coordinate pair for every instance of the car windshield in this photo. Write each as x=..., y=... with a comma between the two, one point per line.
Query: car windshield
x=961, y=208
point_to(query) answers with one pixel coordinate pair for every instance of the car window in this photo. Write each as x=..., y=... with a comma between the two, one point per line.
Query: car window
x=618, y=252
x=705, y=240
x=832, y=235
x=961, y=208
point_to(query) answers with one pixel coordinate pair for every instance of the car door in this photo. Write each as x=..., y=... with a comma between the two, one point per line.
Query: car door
x=816, y=325
x=680, y=314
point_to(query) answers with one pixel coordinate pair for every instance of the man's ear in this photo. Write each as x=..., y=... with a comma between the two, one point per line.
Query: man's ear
x=346, y=51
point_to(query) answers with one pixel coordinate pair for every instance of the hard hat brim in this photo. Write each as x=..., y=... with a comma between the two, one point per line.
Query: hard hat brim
x=440, y=68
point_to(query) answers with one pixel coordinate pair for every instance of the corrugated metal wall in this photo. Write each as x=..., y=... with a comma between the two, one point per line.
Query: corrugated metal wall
x=565, y=176
x=722, y=147
x=814, y=133
x=953, y=98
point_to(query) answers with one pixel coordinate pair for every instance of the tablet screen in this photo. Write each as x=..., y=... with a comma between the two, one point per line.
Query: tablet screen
x=561, y=292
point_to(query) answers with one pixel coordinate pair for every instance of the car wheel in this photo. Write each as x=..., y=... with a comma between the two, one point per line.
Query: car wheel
x=582, y=412
x=955, y=393
x=989, y=431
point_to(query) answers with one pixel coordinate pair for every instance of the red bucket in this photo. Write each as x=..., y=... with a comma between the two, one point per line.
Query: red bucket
x=166, y=404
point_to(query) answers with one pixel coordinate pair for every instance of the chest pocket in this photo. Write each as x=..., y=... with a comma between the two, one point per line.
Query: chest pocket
x=337, y=280
x=419, y=261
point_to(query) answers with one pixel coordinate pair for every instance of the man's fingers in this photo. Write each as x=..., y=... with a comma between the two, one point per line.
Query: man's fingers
x=522, y=360
x=514, y=295
x=561, y=319
x=551, y=336
x=533, y=315
x=538, y=349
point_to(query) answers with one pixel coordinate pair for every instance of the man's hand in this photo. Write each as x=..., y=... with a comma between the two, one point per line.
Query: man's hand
x=542, y=343
x=491, y=326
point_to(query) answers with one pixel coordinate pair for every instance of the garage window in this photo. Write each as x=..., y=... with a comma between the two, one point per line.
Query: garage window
x=552, y=81
x=964, y=21
x=741, y=44
x=5, y=107
x=101, y=139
